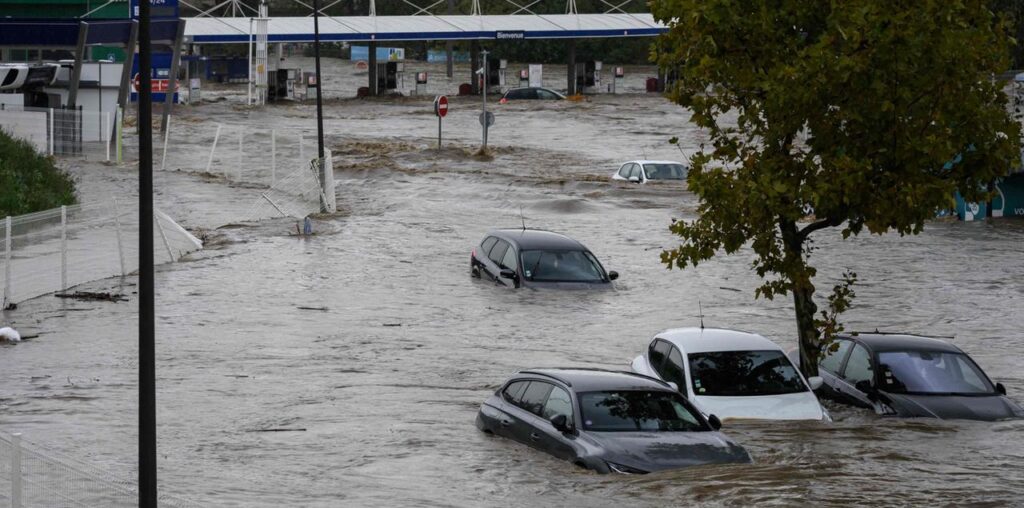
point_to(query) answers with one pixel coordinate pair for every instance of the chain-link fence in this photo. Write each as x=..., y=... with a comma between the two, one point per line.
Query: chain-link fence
x=91, y=135
x=57, y=249
x=282, y=162
x=33, y=476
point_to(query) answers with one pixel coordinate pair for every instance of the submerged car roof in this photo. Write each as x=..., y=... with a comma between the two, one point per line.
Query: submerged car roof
x=537, y=239
x=902, y=342
x=654, y=162
x=589, y=380
x=703, y=340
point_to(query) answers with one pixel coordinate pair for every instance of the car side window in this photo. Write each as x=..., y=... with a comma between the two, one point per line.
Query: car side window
x=498, y=252
x=530, y=93
x=544, y=94
x=657, y=354
x=535, y=396
x=558, y=403
x=634, y=171
x=514, y=391
x=509, y=260
x=858, y=367
x=486, y=245
x=673, y=369
x=624, y=170
x=834, y=359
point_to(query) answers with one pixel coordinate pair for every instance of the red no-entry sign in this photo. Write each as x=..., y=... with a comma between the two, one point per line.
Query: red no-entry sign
x=441, y=106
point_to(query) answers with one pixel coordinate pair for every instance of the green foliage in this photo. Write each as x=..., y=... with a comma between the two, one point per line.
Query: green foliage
x=849, y=111
x=29, y=182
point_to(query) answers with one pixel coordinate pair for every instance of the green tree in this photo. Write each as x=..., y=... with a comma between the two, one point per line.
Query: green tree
x=832, y=114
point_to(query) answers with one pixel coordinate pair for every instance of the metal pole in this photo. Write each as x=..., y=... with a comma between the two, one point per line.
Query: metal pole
x=120, y=246
x=273, y=157
x=439, y=133
x=483, y=55
x=167, y=135
x=147, y=331
x=209, y=162
x=448, y=46
x=319, y=97
x=16, y=470
x=241, y=134
x=7, y=263
x=248, y=100
x=63, y=247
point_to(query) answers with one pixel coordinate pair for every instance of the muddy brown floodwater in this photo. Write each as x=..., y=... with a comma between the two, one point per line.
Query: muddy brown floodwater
x=385, y=382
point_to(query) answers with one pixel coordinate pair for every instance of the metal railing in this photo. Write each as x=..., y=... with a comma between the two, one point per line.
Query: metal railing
x=57, y=249
x=34, y=476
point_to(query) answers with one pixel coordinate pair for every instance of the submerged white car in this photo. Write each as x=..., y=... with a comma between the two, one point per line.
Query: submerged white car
x=645, y=171
x=732, y=374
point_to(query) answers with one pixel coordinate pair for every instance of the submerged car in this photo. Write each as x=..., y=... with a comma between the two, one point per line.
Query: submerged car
x=532, y=92
x=732, y=374
x=909, y=375
x=537, y=259
x=606, y=421
x=645, y=171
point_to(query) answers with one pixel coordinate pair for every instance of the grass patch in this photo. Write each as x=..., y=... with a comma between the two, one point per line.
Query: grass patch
x=30, y=181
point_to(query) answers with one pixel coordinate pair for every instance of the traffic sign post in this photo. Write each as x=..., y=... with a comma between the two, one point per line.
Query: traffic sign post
x=440, y=109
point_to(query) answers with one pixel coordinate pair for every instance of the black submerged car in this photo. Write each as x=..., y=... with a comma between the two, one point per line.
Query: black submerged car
x=606, y=421
x=535, y=258
x=908, y=375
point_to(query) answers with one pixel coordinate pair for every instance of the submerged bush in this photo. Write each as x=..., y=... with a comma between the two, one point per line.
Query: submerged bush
x=29, y=181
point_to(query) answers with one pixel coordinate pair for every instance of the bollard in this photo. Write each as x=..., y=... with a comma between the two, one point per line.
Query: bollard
x=307, y=226
x=213, y=148
x=117, y=224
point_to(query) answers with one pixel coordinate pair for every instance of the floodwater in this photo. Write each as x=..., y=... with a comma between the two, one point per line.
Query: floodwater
x=346, y=369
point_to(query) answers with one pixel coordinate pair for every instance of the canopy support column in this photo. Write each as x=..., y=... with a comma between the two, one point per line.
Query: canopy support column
x=570, y=68
x=76, y=71
x=126, y=68
x=172, y=80
x=372, y=55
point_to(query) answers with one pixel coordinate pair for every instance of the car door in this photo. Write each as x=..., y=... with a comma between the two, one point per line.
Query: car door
x=674, y=372
x=493, y=261
x=509, y=407
x=526, y=425
x=656, y=354
x=634, y=170
x=551, y=439
x=831, y=365
x=510, y=261
x=858, y=368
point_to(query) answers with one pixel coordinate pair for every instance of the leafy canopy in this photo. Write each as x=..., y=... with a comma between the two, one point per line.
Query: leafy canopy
x=850, y=110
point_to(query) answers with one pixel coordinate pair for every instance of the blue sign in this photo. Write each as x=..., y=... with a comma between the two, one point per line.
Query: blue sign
x=158, y=9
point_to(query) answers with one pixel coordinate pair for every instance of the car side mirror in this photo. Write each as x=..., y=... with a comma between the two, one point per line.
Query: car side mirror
x=634, y=179
x=815, y=382
x=560, y=423
x=612, y=275
x=673, y=385
x=865, y=386
x=1000, y=388
x=507, y=274
x=714, y=422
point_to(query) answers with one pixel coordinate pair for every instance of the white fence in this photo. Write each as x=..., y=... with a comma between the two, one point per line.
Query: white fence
x=32, y=476
x=282, y=162
x=91, y=135
x=57, y=249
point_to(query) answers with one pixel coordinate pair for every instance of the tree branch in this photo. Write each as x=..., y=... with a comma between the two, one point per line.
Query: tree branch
x=830, y=222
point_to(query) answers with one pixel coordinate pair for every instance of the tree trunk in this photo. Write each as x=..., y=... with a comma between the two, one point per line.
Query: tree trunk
x=803, y=304
x=803, y=297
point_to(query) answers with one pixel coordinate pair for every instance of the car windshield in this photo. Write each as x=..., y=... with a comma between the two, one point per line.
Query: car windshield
x=561, y=266
x=665, y=171
x=931, y=372
x=742, y=373
x=631, y=411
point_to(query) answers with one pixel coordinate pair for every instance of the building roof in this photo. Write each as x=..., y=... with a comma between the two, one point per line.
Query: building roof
x=63, y=33
x=208, y=30
x=881, y=342
x=528, y=239
x=703, y=340
x=588, y=380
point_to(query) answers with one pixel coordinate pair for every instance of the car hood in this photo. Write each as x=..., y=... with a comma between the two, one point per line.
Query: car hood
x=657, y=451
x=567, y=285
x=947, y=407
x=789, y=406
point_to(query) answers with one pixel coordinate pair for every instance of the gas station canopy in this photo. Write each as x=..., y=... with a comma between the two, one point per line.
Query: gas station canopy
x=206, y=30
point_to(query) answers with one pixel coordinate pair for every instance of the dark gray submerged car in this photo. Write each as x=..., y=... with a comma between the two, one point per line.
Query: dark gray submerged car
x=911, y=376
x=606, y=421
x=537, y=259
